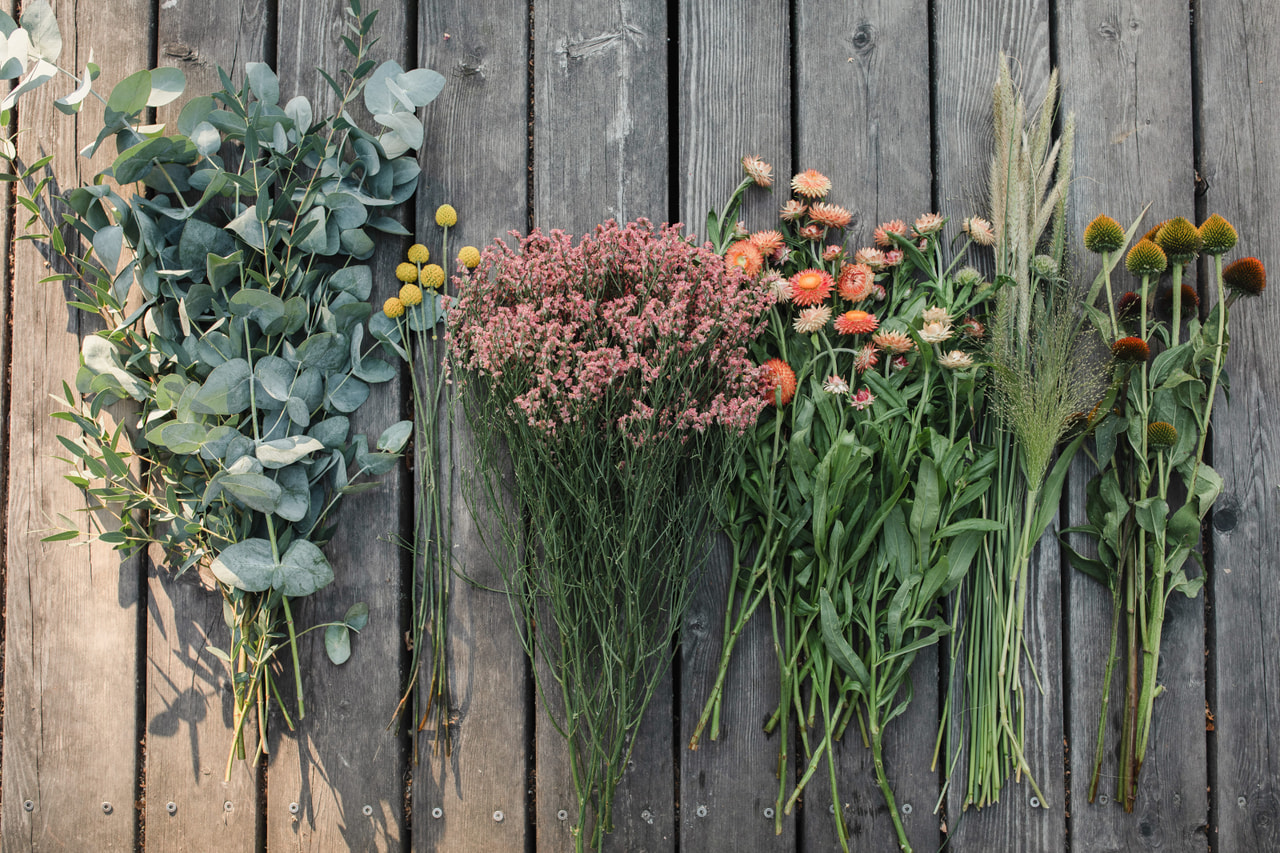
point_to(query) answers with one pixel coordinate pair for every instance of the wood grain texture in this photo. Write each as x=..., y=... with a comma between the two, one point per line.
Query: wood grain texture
x=600, y=145
x=876, y=149
x=343, y=767
x=968, y=39
x=1239, y=68
x=735, y=100
x=189, y=700
x=1125, y=70
x=475, y=158
x=71, y=656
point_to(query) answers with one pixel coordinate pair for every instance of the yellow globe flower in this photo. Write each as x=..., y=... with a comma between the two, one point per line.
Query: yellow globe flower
x=432, y=276
x=470, y=256
x=393, y=307
x=407, y=273
x=446, y=216
x=419, y=254
x=411, y=295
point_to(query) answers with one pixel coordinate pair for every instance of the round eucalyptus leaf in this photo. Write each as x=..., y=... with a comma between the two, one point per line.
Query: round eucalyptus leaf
x=295, y=499
x=246, y=565
x=395, y=437
x=225, y=391
x=286, y=451
x=357, y=616
x=332, y=432
x=344, y=393
x=255, y=491
x=303, y=570
x=337, y=643
x=324, y=351
x=275, y=376
x=356, y=280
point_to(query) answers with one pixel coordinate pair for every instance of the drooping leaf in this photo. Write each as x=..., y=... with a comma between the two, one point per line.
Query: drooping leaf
x=226, y=390
x=256, y=491
x=286, y=451
x=394, y=437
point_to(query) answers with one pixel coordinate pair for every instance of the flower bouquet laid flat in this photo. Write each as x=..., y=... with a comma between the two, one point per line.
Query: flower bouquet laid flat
x=614, y=373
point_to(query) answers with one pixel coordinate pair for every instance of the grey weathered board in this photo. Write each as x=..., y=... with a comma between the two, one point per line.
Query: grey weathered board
x=626, y=123
x=1238, y=125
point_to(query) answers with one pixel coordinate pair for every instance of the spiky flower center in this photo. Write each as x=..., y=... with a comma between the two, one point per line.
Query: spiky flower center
x=1247, y=276
x=1132, y=349
x=1161, y=434
x=1146, y=259
x=1217, y=235
x=1103, y=235
x=1179, y=239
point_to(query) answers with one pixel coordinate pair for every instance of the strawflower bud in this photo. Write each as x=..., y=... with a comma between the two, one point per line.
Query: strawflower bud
x=760, y=172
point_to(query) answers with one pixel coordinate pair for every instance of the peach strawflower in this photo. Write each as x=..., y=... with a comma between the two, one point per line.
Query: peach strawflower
x=835, y=385
x=872, y=257
x=746, y=256
x=829, y=215
x=778, y=286
x=793, y=210
x=893, y=257
x=760, y=172
x=936, y=314
x=855, y=282
x=832, y=253
x=856, y=323
x=812, y=319
x=893, y=342
x=811, y=286
x=812, y=231
x=878, y=291
x=979, y=231
x=862, y=400
x=955, y=360
x=767, y=242
x=928, y=223
x=811, y=184
x=867, y=358
x=973, y=328
x=778, y=383
x=883, y=230
x=935, y=333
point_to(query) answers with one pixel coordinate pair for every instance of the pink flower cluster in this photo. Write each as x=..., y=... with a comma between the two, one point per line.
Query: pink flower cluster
x=633, y=327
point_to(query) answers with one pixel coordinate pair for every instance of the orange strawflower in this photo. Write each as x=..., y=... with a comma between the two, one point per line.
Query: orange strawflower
x=746, y=256
x=778, y=384
x=856, y=323
x=811, y=184
x=856, y=282
x=811, y=286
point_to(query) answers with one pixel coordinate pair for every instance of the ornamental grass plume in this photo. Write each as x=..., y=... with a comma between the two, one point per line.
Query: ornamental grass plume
x=615, y=372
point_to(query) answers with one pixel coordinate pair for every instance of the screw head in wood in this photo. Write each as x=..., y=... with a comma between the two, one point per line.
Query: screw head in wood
x=498, y=816
x=226, y=806
x=701, y=811
x=1104, y=799
x=29, y=805
x=562, y=814
x=171, y=807
x=437, y=813
x=293, y=808
x=367, y=810
x=768, y=813
x=1241, y=802
x=106, y=808
x=906, y=808
x=1035, y=802
x=831, y=809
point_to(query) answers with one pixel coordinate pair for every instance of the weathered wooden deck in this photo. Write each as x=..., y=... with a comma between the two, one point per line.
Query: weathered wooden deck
x=563, y=113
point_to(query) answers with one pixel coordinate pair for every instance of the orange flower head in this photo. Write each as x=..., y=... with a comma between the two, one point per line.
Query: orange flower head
x=893, y=342
x=855, y=283
x=856, y=323
x=867, y=358
x=778, y=382
x=745, y=256
x=929, y=223
x=1146, y=259
x=884, y=229
x=812, y=231
x=767, y=242
x=832, y=253
x=760, y=172
x=870, y=256
x=793, y=210
x=811, y=184
x=811, y=286
x=1246, y=276
x=1132, y=349
x=829, y=215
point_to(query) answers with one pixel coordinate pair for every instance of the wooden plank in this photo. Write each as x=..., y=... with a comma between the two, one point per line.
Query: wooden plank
x=342, y=767
x=189, y=699
x=876, y=150
x=735, y=100
x=968, y=37
x=600, y=151
x=1238, y=65
x=71, y=656
x=1125, y=72
x=476, y=141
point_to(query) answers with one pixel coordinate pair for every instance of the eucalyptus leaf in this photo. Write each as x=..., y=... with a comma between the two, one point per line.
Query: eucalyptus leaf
x=167, y=85
x=344, y=393
x=356, y=280
x=303, y=570
x=331, y=432
x=256, y=491
x=263, y=82
x=337, y=644
x=226, y=390
x=42, y=30
x=395, y=437
x=247, y=565
x=286, y=451
x=130, y=95
x=295, y=496
x=357, y=616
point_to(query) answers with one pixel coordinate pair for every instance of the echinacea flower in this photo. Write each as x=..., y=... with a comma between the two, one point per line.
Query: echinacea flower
x=893, y=342
x=935, y=333
x=835, y=385
x=411, y=295
x=1161, y=434
x=760, y=172
x=1189, y=299
x=1146, y=259
x=793, y=210
x=856, y=323
x=862, y=399
x=855, y=282
x=1128, y=305
x=393, y=307
x=407, y=272
x=446, y=216
x=778, y=383
x=979, y=231
x=1246, y=276
x=1179, y=239
x=418, y=254
x=767, y=242
x=811, y=184
x=1045, y=267
x=829, y=215
x=936, y=314
x=811, y=286
x=955, y=360
x=432, y=276
x=1132, y=349
x=812, y=231
x=1155, y=229
x=867, y=358
x=967, y=277
x=871, y=257
x=929, y=223
x=884, y=229
x=470, y=257
x=746, y=256
x=812, y=319
x=1103, y=235
x=1217, y=235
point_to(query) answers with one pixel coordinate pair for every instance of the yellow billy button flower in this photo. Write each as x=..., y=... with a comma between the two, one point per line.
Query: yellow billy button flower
x=432, y=276
x=407, y=273
x=419, y=254
x=446, y=216
x=411, y=295
x=470, y=256
x=393, y=307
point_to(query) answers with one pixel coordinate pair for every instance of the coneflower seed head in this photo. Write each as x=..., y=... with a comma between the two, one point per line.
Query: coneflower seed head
x=1218, y=235
x=1161, y=434
x=1146, y=259
x=1247, y=276
x=1103, y=235
x=1132, y=349
x=1179, y=239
